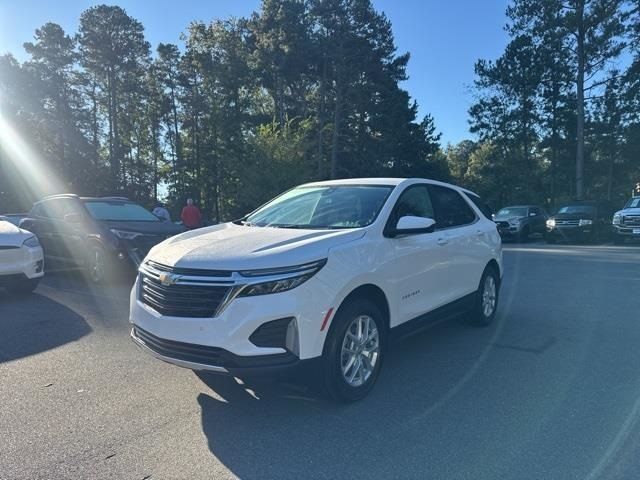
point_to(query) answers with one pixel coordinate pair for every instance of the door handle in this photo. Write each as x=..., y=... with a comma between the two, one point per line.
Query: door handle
x=480, y=233
x=442, y=241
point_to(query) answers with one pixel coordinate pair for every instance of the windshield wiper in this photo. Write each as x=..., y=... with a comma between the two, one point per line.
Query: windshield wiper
x=288, y=225
x=244, y=223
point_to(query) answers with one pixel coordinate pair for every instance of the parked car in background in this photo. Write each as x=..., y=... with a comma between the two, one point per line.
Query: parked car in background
x=579, y=221
x=21, y=259
x=520, y=221
x=14, y=218
x=97, y=234
x=626, y=222
x=322, y=276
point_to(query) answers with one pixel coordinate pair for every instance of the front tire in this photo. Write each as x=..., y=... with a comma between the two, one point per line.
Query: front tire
x=486, y=302
x=354, y=351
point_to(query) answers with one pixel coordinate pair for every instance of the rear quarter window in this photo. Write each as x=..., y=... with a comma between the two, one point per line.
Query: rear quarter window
x=486, y=210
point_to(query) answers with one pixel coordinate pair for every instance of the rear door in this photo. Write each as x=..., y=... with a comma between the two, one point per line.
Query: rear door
x=465, y=236
x=39, y=222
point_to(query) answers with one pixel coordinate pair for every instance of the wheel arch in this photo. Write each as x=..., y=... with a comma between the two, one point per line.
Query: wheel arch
x=367, y=291
x=494, y=265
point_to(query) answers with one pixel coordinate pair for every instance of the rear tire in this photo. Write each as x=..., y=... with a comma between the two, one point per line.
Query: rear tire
x=486, y=302
x=354, y=350
x=23, y=287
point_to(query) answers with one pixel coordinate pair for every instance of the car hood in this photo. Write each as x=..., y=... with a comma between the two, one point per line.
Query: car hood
x=12, y=236
x=629, y=211
x=148, y=228
x=574, y=216
x=506, y=218
x=234, y=247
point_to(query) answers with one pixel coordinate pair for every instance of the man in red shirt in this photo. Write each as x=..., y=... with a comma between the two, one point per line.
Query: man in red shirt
x=191, y=217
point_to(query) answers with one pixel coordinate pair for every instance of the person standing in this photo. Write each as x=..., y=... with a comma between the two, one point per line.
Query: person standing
x=191, y=217
x=162, y=213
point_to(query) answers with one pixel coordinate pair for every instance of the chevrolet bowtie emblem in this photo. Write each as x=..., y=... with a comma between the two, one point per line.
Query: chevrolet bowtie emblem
x=167, y=279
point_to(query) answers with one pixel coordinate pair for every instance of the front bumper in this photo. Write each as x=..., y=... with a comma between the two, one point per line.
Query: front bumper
x=224, y=343
x=218, y=360
x=571, y=232
x=509, y=232
x=627, y=232
x=22, y=262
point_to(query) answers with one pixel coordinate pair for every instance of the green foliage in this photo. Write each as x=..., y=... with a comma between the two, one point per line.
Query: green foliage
x=554, y=106
x=300, y=91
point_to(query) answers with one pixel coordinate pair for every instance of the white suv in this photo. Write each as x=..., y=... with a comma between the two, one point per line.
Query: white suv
x=21, y=259
x=325, y=275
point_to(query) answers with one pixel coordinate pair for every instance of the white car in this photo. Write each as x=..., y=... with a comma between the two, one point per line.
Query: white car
x=325, y=275
x=21, y=260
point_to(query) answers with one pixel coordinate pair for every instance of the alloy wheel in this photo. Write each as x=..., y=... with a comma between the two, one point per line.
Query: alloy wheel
x=488, y=296
x=360, y=350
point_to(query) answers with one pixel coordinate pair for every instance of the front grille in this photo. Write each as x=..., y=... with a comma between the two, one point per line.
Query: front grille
x=191, y=301
x=572, y=223
x=631, y=221
x=189, y=271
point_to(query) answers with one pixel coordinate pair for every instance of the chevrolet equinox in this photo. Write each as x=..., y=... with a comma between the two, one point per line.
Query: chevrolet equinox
x=326, y=274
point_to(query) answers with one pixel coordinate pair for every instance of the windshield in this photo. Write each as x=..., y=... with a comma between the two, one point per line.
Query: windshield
x=120, y=212
x=512, y=212
x=335, y=206
x=577, y=209
x=633, y=203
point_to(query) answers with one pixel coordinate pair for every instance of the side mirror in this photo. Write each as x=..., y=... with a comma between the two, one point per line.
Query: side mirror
x=409, y=225
x=73, y=218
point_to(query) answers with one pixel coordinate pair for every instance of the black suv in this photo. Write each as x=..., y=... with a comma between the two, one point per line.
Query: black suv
x=579, y=221
x=98, y=234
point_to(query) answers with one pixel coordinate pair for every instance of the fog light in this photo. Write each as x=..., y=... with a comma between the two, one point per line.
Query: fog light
x=39, y=266
x=121, y=256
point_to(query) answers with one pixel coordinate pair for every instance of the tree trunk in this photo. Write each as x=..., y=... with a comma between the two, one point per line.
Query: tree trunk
x=580, y=100
x=321, y=120
x=337, y=117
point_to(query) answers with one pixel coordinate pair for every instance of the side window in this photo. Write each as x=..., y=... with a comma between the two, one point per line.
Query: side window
x=37, y=211
x=450, y=208
x=486, y=210
x=53, y=209
x=415, y=201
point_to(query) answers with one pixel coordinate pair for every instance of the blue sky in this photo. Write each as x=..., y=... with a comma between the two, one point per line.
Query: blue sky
x=444, y=38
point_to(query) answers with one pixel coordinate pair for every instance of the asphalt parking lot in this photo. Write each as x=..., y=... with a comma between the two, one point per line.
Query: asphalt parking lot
x=551, y=390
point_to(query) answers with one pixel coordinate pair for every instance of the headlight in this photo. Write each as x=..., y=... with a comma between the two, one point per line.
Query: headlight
x=584, y=222
x=617, y=219
x=124, y=235
x=551, y=223
x=284, y=278
x=31, y=242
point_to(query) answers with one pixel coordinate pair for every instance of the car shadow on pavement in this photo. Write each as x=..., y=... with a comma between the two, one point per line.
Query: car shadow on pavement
x=34, y=323
x=279, y=430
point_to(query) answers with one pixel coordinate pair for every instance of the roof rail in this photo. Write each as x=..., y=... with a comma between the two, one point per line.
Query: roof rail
x=115, y=198
x=60, y=195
